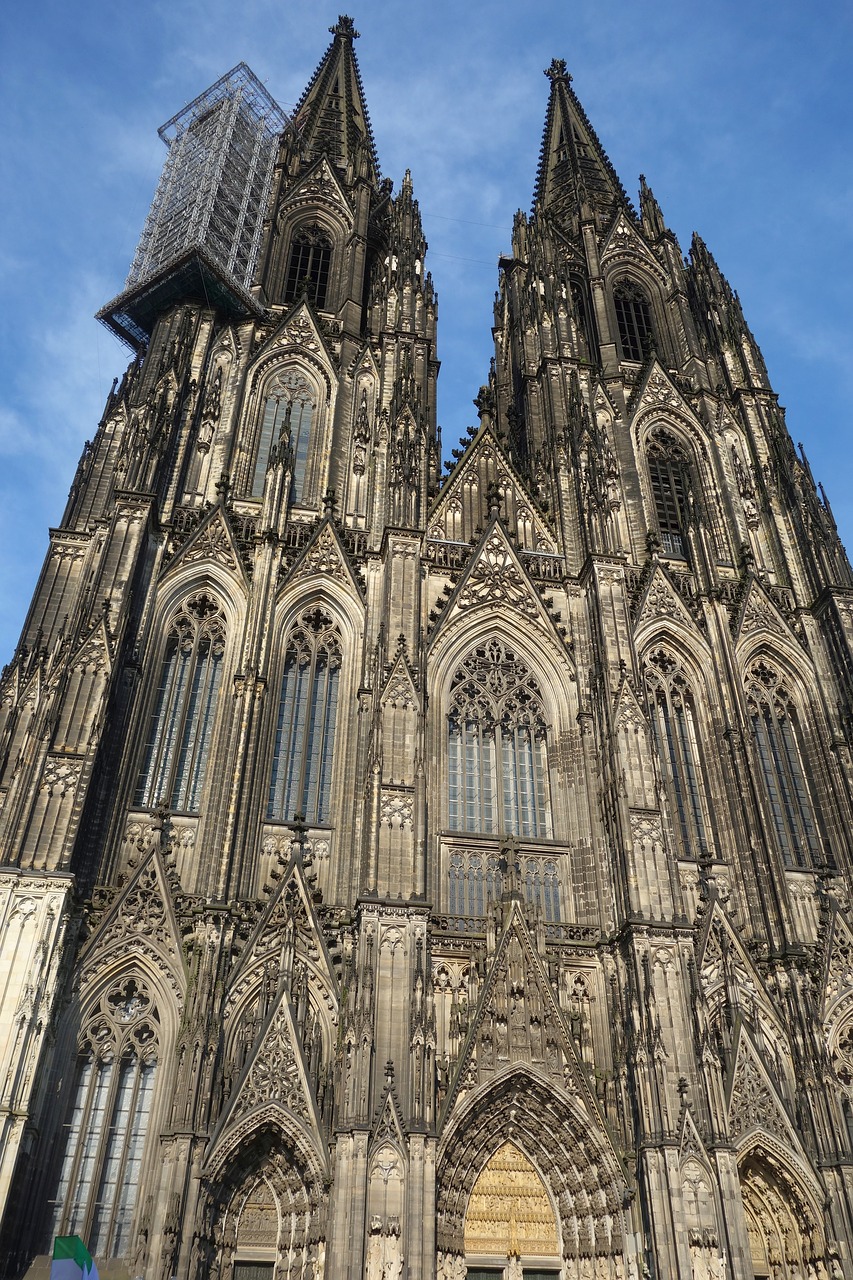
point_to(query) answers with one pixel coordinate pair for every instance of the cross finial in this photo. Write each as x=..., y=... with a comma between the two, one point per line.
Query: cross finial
x=557, y=71
x=344, y=27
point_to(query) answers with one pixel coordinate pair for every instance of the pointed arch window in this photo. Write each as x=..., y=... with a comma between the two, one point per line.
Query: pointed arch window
x=497, y=755
x=289, y=411
x=301, y=779
x=308, y=266
x=677, y=738
x=180, y=730
x=634, y=320
x=581, y=309
x=777, y=742
x=103, y=1138
x=669, y=473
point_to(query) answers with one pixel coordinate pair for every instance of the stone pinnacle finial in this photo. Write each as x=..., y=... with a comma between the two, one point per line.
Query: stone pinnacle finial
x=557, y=71
x=344, y=27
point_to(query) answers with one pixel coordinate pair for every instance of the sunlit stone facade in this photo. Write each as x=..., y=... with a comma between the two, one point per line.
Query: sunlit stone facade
x=412, y=875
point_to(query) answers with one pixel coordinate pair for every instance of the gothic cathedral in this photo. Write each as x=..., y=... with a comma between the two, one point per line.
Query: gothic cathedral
x=413, y=874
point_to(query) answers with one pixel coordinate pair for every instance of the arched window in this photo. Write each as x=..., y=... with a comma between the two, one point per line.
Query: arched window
x=181, y=725
x=633, y=316
x=305, y=729
x=104, y=1135
x=582, y=317
x=669, y=473
x=774, y=724
x=289, y=409
x=677, y=738
x=497, y=758
x=308, y=266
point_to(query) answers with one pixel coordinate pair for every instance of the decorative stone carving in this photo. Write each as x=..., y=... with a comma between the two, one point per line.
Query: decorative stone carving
x=211, y=542
x=509, y=1212
x=753, y=1105
x=660, y=393
x=300, y=332
x=758, y=616
x=496, y=579
x=323, y=556
x=274, y=1075
x=384, y=1258
x=60, y=774
x=396, y=808
x=139, y=920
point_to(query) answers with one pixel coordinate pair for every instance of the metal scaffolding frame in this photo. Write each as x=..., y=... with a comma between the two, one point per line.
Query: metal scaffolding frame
x=213, y=189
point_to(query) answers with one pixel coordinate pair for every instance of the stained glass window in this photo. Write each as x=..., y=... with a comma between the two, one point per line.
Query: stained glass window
x=308, y=266
x=674, y=723
x=288, y=417
x=774, y=724
x=669, y=473
x=497, y=756
x=104, y=1137
x=181, y=726
x=305, y=727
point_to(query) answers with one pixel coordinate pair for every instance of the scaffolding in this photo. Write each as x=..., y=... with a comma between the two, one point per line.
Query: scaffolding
x=215, y=183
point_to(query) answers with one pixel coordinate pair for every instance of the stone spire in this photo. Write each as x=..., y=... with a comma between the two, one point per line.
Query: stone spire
x=331, y=116
x=575, y=177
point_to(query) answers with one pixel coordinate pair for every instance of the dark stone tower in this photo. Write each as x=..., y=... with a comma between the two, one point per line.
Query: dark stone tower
x=407, y=877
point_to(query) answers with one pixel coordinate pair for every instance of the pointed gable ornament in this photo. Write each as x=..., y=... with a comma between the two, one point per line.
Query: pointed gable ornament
x=400, y=688
x=753, y=1101
x=320, y=184
x=325, y=556
x=275, y=1072
x=625, y=241
x=495, y=578
x=485, y=464
x=758, y=613
x=141, y=919
x=210, y=541
x=690, y=1144
x=518, y=1020
x=661, y=600
x=659, y=392
x=838, y=979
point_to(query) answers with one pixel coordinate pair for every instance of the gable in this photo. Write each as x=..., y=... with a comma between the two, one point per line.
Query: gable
x=325, y=556
x=462, y=507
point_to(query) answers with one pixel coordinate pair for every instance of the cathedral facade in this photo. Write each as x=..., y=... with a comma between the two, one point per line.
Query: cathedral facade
x=420, y=874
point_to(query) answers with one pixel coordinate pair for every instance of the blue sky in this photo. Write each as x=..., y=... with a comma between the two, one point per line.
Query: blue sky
x=740, y=115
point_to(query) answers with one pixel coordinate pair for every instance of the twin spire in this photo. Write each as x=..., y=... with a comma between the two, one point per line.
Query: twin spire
x=574, y=177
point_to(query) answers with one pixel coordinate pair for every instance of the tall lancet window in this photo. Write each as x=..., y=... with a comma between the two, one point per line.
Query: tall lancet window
x=305, y=727
x=774, y=723
x=289, y=409
x=103, y=1137
x=634, y=320
x=497, y=754
x=669, y=473
x=180, y=730
x=677, y=737
x=308, y=266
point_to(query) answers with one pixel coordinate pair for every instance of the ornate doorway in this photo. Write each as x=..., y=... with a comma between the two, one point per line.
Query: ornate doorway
x=510, y=1225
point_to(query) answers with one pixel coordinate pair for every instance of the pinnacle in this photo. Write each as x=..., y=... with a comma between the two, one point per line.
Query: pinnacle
x=557, y=71
x=345, y=28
